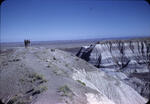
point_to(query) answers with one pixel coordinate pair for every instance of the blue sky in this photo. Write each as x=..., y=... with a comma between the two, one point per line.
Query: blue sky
x=42, y=20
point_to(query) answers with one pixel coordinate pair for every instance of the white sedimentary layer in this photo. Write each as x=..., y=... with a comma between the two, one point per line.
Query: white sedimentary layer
x=132, y=51
x=109, y=88
x=97, y=99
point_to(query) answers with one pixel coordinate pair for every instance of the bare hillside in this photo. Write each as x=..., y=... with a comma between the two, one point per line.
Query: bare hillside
x=51, y=76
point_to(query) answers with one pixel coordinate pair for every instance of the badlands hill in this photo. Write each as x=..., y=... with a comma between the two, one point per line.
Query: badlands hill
x=128, y=60
x=51, y=76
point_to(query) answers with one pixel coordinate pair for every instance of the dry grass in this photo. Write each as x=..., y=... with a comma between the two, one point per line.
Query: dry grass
x=81, y=82
x=65, y=91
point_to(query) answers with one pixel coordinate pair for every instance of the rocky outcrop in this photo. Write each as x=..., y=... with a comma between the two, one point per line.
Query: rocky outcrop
x=117, y=53
x=129, y=57
x=85, y=52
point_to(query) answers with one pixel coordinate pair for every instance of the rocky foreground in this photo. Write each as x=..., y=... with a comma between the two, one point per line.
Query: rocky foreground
x=51, y=76
x=128, y=60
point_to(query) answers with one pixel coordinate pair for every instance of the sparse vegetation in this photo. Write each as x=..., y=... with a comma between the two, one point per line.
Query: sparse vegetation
x=65, y=91
x=43, y=88
x=43, y=81
x=18, y=99
x=54, y=58
x=58, y=72
x=37, y=77
x=81, y=82
x=22, y=80
x=12, y=100
x=30, y=91
x=37, y=90
x=25, y=99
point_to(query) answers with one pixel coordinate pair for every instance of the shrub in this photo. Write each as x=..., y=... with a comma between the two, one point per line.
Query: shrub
x=81, y=82
x=54, y=58
x=34, y=77
x=65, y=91
x=39, y=90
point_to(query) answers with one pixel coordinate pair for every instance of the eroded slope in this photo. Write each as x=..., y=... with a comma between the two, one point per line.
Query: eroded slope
x=51, y=76
x=128, y=60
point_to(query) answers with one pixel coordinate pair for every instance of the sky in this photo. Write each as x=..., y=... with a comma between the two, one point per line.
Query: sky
x=44, y=20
